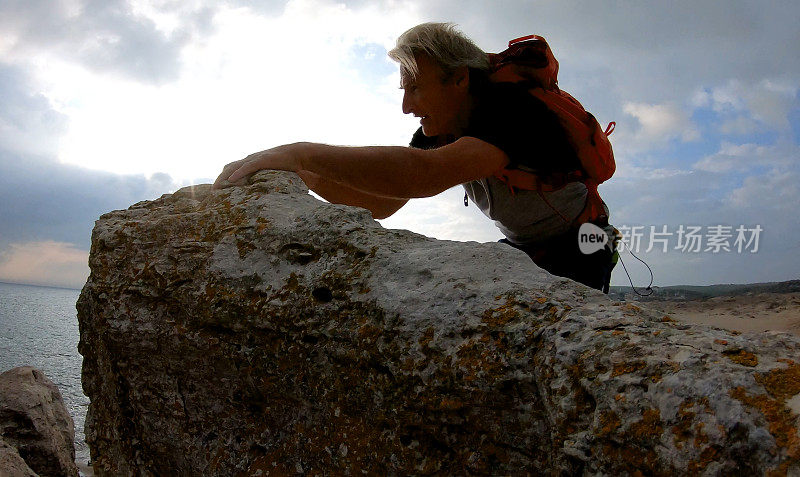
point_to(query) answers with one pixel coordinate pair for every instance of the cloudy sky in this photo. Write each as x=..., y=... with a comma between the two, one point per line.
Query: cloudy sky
x=104, y=103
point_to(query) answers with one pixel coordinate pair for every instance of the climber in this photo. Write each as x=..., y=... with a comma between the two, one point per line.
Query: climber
x=471, y=128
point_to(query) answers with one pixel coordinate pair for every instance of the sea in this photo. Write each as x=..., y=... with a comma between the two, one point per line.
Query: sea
x=39, y=328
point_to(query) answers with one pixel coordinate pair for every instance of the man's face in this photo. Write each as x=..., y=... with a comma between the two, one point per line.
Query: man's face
x=440, y=103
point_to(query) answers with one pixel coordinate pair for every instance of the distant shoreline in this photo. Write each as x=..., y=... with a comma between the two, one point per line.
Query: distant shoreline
x=39, y=286
x=699, y=292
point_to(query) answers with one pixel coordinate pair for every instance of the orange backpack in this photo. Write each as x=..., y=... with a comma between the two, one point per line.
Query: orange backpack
x=529, y=60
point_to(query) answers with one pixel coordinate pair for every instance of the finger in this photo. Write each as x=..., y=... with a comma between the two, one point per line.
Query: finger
x=244, y=170
x=222, y=179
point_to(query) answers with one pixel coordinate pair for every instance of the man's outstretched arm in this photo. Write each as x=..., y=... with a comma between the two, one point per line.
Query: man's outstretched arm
x=381, y=207
x=384, y=171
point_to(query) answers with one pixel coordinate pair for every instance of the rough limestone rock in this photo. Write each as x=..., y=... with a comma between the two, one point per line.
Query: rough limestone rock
x=12, y=464
x=34, y=425
x=259, y=331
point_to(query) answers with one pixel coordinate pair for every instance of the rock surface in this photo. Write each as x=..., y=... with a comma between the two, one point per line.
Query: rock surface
x=35, y=426
x=12, y=464
x=258, y=331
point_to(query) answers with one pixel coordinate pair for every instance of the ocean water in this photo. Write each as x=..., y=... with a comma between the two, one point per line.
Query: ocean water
x=39, y=327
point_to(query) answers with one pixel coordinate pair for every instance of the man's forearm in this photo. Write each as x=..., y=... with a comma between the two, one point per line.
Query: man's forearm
x=381, y=207
x=384, y=171
x=401, y=172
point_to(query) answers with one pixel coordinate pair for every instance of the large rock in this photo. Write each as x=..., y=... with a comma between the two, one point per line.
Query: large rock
x=258, y=331
x=12, y=464
x=34, y=426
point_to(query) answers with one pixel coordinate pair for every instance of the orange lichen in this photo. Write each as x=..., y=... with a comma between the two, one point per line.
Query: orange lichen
x=426, y=338
x=369, y=332
x=721, y=342
x=781, y=383
x=707, y=456
x=501, y=315
x=649, y=426
x=667, y=319
x=478, y=360
x=780, y=419
x=740, y=356
x=451, y=404
x=701, y=437
x=657, y=377
x=609, y=422
x=682, y=430
x=625, y=368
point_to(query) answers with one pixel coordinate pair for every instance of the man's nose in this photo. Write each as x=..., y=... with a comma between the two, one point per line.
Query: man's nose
x=407, y=103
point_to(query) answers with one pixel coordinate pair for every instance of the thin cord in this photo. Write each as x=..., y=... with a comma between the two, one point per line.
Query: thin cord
x=629, y=275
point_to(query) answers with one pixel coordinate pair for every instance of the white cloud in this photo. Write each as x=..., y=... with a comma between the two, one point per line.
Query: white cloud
x=773, y=190
x=660, y=123
x=744, y=157
x=767, y=101
x=638, y=173
x=44, y=263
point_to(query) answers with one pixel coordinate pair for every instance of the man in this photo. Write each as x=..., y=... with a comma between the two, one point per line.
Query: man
x=470, y=129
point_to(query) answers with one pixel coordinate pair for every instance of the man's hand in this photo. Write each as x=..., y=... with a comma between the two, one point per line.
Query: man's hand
x=282, y=158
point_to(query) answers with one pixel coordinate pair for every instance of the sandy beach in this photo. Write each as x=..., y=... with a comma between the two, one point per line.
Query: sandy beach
x=749, y=312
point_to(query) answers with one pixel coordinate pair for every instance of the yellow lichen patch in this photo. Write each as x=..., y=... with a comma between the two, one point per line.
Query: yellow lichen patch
x=740, y=356
x=682, y=430
x=632, y=461
x=542, y=300
x=782, y=383
x=501, y=315
x=780, y=419
x=657, y=377
x=707, y=456
x=451, y=404
x=408, y=364
x=625, y=368
x=478, y=360
x=649, y=426
x=262, y=224
x=369, y=332
x=701, y=437
x=609, y=422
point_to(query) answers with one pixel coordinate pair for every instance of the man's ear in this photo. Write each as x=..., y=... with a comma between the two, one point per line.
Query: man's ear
x=461, y=78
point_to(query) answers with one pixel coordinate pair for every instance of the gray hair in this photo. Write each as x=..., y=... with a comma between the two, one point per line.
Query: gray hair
x=443, y=43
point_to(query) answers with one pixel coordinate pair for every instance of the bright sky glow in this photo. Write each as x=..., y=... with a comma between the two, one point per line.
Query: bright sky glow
x=251, y=85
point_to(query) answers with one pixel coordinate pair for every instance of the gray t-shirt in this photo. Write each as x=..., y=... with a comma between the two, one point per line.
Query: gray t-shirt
x=528, y=217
